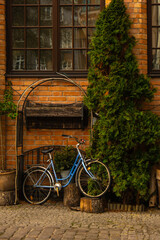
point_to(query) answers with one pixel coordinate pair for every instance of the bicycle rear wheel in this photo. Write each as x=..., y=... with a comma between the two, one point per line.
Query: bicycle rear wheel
x=99, y=185
x=33, y=194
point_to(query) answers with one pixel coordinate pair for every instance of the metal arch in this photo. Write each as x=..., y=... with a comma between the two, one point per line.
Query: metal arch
x=39, y=82
x=35, y=85
x=48, y=80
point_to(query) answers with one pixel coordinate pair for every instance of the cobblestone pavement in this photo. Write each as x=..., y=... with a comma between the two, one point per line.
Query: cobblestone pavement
x=53, y=221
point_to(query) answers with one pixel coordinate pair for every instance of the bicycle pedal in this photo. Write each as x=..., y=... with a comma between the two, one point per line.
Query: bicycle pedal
x=57, y=190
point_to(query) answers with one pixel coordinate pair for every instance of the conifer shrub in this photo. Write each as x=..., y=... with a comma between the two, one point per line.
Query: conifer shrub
x=125, y=135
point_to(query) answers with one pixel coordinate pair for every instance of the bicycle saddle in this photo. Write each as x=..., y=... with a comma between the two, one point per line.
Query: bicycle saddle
x=47, y=151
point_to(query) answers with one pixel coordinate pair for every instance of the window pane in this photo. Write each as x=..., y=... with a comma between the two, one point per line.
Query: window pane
x=46, y=16
x=32, y=16
x=156, y=59
x=32, y=60
x=88, y=59
x=18, y=1
x=80, y=60
x=156, y=1
x=66, y=38
x=45, y=1
x=32, y=38
x=90, y=34
x=93, y=13
x=80, y=16
x=80, y=37
x=156, y=37
x=39, y=31
x=46, y=60
x=80, y=1
x=31, y=1
x=18, y=16
x=156, y=14
x=18, y=60
x=94, y=2
x=66, y=60
x=65, y=1
x=18, y=38
x=46, y=38
x=66, y=16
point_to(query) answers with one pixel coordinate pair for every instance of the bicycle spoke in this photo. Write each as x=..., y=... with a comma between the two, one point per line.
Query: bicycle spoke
x=97, y=186
x=31, y=177
x=43, y=192
x=33, y=194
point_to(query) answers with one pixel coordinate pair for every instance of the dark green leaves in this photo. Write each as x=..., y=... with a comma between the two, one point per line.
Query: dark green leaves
x=124, y=136
x=7, y=106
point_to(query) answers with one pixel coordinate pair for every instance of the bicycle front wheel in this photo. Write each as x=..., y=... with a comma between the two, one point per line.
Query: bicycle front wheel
x=99, y=184
x=37, y=194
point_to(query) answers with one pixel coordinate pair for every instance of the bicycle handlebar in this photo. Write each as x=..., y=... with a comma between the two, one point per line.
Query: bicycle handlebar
x=69, y=136
x=81, y=141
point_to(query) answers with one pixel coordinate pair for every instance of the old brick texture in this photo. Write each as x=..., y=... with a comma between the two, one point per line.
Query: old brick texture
x=2, y=77
x=62, y=92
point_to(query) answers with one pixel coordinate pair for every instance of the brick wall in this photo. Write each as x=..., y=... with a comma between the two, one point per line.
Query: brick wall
x=2, y=77
x=2, y=46
x=137, y=9
x=50, y=92
x=60, y=92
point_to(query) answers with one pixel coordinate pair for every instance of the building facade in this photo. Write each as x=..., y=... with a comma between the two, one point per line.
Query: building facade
x=45, y=39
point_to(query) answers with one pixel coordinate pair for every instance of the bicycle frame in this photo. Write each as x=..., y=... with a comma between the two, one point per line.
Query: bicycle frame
x=79, y=159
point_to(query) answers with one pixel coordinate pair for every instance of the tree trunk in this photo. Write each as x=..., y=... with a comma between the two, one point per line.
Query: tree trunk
x=153, y=193
x=91, y=205
x=158, y=185
x=71, y=195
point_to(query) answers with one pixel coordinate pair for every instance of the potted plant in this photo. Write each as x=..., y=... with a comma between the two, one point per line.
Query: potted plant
x=7, y=177
x=64, y=160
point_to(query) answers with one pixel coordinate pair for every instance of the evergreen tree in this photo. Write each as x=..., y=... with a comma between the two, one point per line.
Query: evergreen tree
x=125, y=136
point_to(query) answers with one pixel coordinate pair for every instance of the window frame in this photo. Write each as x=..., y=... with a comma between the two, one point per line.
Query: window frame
x=56, y=48
x=151, y=71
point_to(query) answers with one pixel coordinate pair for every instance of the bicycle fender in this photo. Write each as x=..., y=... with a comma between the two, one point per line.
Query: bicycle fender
x=80, y=166
x=39, y=167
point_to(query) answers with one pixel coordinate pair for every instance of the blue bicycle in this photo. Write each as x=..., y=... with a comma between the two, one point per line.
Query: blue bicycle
x=91, y=176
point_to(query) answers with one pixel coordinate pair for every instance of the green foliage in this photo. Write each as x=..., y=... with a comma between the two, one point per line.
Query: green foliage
x=92, y=190
x=65, y=158
x=125, y=136
x=7, y=106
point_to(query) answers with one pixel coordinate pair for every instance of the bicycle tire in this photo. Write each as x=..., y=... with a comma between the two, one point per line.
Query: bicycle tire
x=90, y=187
x=36, y=195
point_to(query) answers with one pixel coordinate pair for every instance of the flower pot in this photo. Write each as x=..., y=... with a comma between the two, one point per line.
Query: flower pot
x=64, y=174
x=7, y=180
x=7, y=198
x=7, y=187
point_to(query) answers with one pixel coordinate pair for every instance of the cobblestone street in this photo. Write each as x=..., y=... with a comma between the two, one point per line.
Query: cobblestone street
x=55, y=222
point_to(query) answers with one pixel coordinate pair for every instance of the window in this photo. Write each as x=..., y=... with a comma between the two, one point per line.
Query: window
x=51, y=35
x=154, y=37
